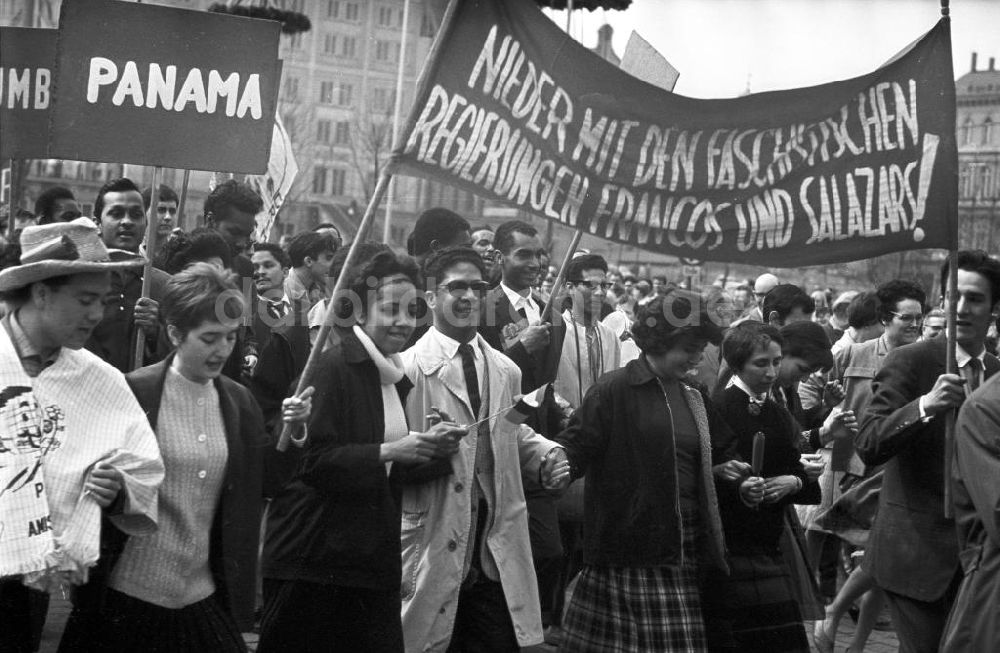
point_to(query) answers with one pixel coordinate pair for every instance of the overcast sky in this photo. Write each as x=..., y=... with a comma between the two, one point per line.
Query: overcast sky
x=718, y=44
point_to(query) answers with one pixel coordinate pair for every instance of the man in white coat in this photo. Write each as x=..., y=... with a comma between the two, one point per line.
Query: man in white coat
x=468, y=579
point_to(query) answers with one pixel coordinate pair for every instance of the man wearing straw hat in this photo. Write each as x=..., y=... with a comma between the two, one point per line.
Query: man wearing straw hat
x=74, y=444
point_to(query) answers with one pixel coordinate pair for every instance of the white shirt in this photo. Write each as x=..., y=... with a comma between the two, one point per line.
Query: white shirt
x=962, y=358
x=519, y=302
x=450, y=347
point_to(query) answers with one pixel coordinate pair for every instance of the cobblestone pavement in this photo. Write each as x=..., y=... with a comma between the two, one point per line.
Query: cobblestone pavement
x=881, y=641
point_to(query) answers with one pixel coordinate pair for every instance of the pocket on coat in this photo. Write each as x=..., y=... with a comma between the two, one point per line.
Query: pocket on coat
x=411, y=540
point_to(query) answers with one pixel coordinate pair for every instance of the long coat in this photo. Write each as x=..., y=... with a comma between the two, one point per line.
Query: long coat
x=236, y=529
x=437, y=513
x=912, y=549
x=974, y=624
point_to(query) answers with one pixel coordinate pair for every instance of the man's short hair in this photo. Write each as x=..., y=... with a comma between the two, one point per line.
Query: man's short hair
x=311, y=244
x=935, y=312
x=46, y=203
x=503, y=240
x=201, y=293
x=576, y=267
x=863, y=310
x=808, y=341
x=976, y=260
x=439, y=262
x=232, y=193
x=279, y=254
x=892, y=292
x=182, y=249
x=114, y=186
x=785, y=298
x=437, y=224
x=167, y=194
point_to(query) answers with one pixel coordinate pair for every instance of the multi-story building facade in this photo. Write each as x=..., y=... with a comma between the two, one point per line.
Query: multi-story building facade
x=978, y=131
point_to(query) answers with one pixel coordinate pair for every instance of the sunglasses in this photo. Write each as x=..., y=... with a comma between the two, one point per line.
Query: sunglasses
x=478, y=288
x=908, y=319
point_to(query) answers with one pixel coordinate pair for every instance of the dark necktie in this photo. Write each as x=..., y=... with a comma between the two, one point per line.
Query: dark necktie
x=971, y=372
x=276, y=310
x=471, y=378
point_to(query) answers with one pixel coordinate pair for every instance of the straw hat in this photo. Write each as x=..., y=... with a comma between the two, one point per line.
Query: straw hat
x=61, y=248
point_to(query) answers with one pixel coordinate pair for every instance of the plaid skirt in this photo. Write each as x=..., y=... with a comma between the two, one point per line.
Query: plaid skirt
x=754, y=609
x=130, y=625
x=638, y=609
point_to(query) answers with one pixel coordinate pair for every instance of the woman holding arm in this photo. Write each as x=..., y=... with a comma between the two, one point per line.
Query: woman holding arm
x=647, y=442
x=332, y=566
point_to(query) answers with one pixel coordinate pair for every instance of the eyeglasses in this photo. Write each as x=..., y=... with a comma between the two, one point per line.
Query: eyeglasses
x=907, y=318
x=594, y=285
x=458, y=287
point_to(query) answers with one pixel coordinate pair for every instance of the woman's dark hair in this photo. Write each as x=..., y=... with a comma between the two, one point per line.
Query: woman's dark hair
x=808, y=341
x=747, y=338
x=366, y=252
x=201, y=244
x=366, y=279
x=892, y=292
x=198, y=294
x=671, y=319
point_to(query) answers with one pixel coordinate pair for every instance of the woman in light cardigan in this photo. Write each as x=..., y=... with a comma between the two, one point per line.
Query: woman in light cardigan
x=190, y=586
x=332, y=568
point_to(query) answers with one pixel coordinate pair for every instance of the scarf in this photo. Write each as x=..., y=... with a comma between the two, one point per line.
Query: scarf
x=53, y=429
x=390, y=372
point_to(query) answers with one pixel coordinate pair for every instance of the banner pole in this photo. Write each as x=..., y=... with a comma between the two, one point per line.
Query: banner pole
x=152, y=218
x=331, y=314
x=11, y=203
x=184, y=194
x=557, y=286
x=397, y=106
x=951, y=366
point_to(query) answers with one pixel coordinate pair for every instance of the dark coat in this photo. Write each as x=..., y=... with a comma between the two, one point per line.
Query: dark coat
x=113, y=339
x=912, y=548
x=974, y=624
x=236, y=529
x=619, y=440
x=336, y=521
x=758, y=530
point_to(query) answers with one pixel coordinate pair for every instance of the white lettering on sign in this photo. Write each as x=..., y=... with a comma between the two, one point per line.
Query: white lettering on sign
x=25, y=88
x=197, y=92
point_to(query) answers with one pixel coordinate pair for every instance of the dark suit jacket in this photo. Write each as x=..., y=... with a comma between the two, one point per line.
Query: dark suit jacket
x=236, y=529
x=912, y=550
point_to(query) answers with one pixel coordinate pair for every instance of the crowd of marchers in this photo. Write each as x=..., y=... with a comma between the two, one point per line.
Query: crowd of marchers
x=481, y=460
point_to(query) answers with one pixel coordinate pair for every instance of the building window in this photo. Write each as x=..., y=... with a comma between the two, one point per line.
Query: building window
x=346, y=95
x=386, y=51
x=381, y=99
x=330, y=44
x=326, y=92
x=967, y=130
x=342, y=133
x=295, y=41
x=428, y=28
x=323, y=131
x=337, y=178
x=319, y=180
x=389, y=17
x=349, y=47
x=333, y=9
x=291, y=88
x=289, y=122
x=352, y=11
x=988, y=131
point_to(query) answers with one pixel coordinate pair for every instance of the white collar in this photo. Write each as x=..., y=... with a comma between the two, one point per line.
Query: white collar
x=516, y=298
x=754, y=397
x=962, y=357
x=449, y=346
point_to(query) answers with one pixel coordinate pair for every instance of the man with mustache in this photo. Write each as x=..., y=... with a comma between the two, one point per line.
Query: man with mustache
x=121, y=219
x=467, y=578
x=912, y=551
